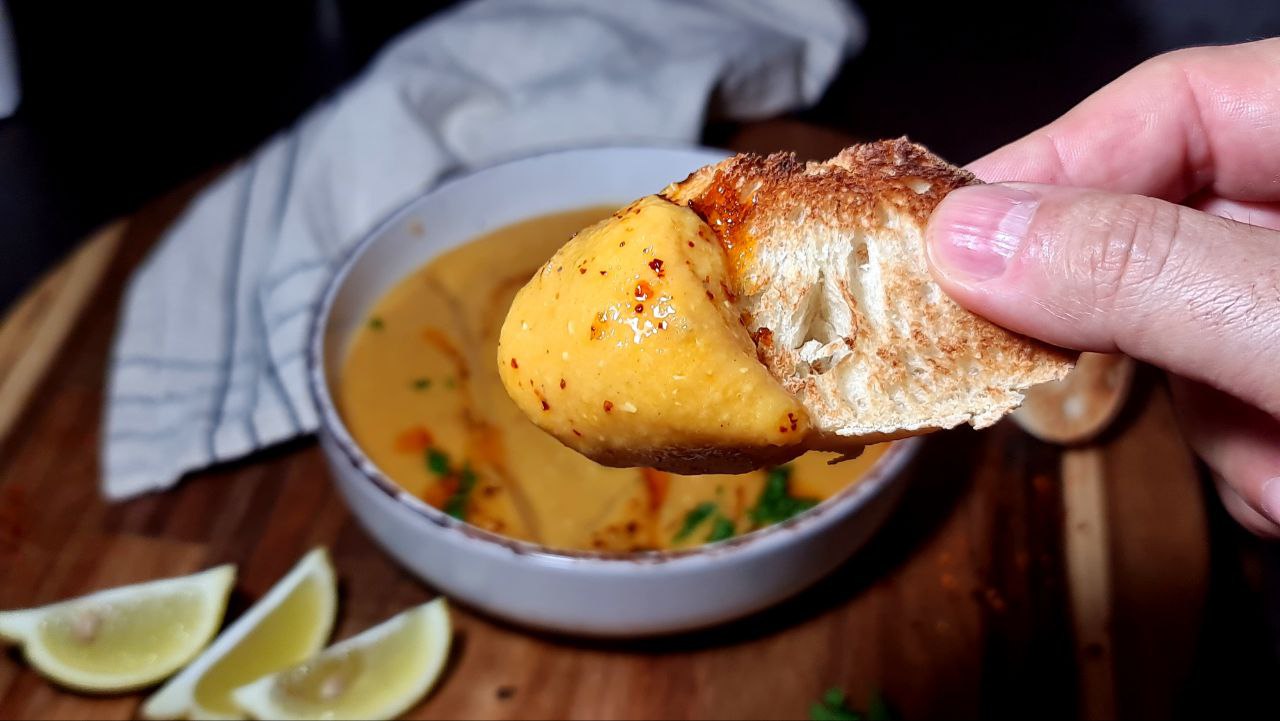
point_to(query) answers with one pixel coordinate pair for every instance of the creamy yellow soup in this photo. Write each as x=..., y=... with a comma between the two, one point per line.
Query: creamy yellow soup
x=420, y=391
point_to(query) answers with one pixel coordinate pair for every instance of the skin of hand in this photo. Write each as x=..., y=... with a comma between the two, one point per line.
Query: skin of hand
x=1147, y=221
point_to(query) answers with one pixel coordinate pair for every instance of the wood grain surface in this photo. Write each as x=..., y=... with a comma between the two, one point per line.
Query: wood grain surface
x=33, y=332
x=976, y=599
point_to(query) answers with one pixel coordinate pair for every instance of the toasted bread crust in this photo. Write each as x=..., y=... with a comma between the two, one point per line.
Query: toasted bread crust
x=904, y=359
x=870, y=171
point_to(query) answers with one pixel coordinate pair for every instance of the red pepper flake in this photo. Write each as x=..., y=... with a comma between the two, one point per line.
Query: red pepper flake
x=413, y=440
x=711, y=296
x=782, y=429
x=662, y=325
x=794, y=421
x=450, y=485
x=639, y=307
x=583, y=271
x=656, y=483
x=691, y=244
x=656, y=265
x=604, y=272
x=561, y=384
x=575, y=432
x=545, y=405
x=643, y=291
x=608, y=406
x=622, y=244
x=514, y=364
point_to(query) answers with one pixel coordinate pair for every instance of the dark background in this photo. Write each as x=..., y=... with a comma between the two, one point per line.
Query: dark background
x=123, y=101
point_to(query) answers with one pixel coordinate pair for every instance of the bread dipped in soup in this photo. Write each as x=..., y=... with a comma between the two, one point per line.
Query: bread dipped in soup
x=759, y=309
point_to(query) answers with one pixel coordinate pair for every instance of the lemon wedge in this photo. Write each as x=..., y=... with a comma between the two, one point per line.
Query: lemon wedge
x=122, y=638
x=378, y=674
x=289, y=624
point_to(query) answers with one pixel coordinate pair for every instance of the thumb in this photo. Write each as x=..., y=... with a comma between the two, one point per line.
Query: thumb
x=1193, y=293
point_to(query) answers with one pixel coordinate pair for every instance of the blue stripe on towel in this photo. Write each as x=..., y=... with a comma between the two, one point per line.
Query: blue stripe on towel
x=182, y=364
x=288, y=274
x=230, y=301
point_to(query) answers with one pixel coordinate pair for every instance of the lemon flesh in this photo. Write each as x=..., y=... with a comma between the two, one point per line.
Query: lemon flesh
x=378, y=674
x=289, y=624
x=122, y=638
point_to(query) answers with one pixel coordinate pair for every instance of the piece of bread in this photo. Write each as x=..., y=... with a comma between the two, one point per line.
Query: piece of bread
x=830, y=261
x=758, y=309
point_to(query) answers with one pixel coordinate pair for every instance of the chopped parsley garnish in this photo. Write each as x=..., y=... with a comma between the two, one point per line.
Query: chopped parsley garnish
x=694, y=518
x=834, y=706
x=456, y=506
x=421, y=384
x=437, y=462
x=721, y=528
x=461, y=481
x=776, y=503
x=375, y=323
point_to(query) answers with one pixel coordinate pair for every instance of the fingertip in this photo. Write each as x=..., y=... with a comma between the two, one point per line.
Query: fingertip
x=1269, y=499
x=1246, y=515
x=975, y=231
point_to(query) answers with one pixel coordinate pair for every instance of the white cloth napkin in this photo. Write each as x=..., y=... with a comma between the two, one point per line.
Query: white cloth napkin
x=208, y=359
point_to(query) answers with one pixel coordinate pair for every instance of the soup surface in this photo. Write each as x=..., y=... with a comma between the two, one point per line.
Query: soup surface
x=420, y=392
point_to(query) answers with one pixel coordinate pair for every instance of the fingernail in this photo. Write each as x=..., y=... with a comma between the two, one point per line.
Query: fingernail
x=976, y=230
x=1270, y=499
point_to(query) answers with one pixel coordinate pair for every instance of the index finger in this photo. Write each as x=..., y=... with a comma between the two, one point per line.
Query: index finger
x=1191, y=120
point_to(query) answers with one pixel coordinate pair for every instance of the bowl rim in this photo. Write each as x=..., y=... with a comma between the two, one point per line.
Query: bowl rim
x=885, y=471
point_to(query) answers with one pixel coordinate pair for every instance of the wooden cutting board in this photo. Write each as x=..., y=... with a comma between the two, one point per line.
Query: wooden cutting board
x=1013, y=581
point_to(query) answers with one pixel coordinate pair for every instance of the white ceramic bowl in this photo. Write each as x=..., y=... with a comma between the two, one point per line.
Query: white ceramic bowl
x=579, y=593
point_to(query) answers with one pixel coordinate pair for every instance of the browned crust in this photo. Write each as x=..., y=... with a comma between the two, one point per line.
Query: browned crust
x=869, y=169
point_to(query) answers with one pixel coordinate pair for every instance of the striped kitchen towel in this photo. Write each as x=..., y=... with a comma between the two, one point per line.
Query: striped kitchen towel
x=208, y=361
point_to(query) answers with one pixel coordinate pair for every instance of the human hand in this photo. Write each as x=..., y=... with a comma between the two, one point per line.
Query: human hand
x=1145, y=221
